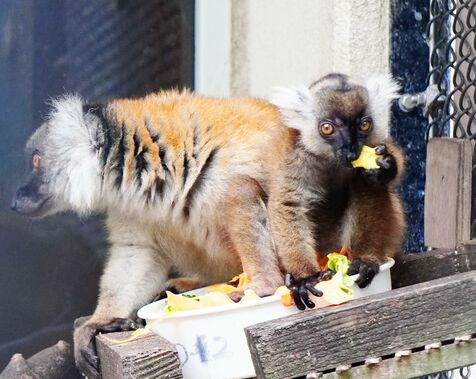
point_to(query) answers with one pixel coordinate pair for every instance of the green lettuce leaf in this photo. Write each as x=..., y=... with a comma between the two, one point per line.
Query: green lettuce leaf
x=339, y=265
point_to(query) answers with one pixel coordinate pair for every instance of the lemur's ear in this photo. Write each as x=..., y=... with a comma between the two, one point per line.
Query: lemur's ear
x=382, y=89
x=296, y=105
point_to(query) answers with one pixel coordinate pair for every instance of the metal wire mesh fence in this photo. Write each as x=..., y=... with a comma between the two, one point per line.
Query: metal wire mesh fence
x=451, y=34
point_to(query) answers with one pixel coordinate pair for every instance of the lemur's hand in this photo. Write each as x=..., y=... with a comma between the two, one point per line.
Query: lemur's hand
x=366, y=271
x=387, y=171
x=300, y=288
x=85, y=353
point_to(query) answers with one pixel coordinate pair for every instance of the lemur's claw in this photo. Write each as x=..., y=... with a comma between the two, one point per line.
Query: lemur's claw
x=300, y=289
x=89, y=365
x=366, y=271
x=381, y=149
x=118, y=325
x=87, y=360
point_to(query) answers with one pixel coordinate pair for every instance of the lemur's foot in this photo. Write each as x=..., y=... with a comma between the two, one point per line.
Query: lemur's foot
x=387, y=168
x=300, y=288
x=85, y=352
x=366, y=271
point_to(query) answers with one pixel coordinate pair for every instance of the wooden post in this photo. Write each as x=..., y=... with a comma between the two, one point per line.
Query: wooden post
x=148, y=356
x=448, y=192
x=376, y=326
x=429, y=265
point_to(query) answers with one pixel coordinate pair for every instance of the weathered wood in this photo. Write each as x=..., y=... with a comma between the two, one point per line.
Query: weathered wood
x=448, y=192
x=17, y=368
x=148, y=356
x=54, y=362
x=429, y=265
x=406, y=318
x=417, y=364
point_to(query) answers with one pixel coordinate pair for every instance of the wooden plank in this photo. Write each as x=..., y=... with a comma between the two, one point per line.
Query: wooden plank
x=406, y=318
x=417, y=364
x=429, y=265
x=148, y=356
x=448, y=192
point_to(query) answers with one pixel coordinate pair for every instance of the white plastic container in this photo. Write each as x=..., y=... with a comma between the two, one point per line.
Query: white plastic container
x=211, y=342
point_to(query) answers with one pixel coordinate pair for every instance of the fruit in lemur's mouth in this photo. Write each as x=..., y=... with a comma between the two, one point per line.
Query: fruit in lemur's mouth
x=367, y=159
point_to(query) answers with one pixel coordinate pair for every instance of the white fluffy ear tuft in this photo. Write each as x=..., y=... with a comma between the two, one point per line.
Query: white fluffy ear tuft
x=296, y=105
x=382, y=90
x=73, y=154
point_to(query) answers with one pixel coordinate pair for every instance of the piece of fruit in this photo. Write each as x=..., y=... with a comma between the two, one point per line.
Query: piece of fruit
x=213, y=299
x=367, y=159
x=249, y=296
x=182, y=303
x=332, y=293
x=223, y=288
x=285, y=296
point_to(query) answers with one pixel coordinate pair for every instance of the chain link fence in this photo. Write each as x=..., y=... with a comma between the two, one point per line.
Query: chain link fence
x=451, y=36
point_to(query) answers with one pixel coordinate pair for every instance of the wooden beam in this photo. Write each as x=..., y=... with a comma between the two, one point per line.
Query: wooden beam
x=417, y=364
x=54, y=362
x=148, y=356
x=429, y=265
x=448, y=192
x=322, y=339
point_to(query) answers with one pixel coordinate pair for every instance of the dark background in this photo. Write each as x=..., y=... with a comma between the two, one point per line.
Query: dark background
x=409, y=63
x=49, y=269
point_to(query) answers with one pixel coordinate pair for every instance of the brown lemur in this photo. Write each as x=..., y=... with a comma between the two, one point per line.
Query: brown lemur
x=207, y=188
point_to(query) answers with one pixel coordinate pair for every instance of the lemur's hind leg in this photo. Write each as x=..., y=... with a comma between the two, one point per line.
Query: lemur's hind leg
x=134, y=273
x=248, y=228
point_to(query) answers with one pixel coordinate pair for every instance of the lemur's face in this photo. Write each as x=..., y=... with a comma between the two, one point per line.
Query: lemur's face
x=344, y=122
x=336, y=116
x=34, y=197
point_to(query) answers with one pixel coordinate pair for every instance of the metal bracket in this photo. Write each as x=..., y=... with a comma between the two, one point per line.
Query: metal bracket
x=428, y=101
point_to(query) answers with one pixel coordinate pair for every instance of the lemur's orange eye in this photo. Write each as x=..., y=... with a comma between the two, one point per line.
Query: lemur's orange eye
x=326, y=129
x=366, y=125
x=35, y=161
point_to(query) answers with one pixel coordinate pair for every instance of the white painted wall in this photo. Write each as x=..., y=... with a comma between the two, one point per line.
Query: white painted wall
x=264, y=43
x=212, y=47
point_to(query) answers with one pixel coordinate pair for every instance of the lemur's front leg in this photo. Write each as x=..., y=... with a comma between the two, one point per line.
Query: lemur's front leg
x=294, y=239
x=377, y=214
x=133, y=275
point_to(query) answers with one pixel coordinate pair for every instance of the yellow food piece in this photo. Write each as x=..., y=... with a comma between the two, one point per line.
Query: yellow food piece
x=242, y=280
x=134, y=335
x=367, y=159
x=285, y=296
x=223, y=288
x=332, y=293
x=213, y=299
x=182, y=303
x=249, y=295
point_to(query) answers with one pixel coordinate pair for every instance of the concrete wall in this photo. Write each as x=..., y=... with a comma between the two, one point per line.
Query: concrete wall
x=285, y=42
